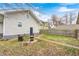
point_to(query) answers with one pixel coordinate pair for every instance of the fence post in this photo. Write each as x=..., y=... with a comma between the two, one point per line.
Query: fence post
x=77, y=34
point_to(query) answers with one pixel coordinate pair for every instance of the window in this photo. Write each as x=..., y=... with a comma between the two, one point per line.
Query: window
x=19, y=24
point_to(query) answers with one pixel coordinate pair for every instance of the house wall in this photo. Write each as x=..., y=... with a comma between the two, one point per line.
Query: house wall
x=11, y=21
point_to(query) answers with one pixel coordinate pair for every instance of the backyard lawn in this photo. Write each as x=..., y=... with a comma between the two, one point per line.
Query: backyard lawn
x=61, y=38
x=39, y=48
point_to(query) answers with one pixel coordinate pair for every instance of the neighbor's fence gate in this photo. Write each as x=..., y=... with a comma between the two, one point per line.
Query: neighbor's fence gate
x=77, y=34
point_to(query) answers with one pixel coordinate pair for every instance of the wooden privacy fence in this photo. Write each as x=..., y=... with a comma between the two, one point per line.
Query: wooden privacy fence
x=71, y=33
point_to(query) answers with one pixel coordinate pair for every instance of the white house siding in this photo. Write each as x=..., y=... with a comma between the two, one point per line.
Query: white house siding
x=11, y=24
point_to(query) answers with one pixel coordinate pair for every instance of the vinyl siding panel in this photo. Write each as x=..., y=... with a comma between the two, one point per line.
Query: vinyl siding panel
x=11, y=24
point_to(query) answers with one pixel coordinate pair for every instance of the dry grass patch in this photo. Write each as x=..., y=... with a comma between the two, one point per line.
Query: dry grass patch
x=39, y=48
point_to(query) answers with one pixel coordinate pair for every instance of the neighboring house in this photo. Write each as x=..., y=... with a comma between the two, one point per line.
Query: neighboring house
x=44, y=25
x=18, y=22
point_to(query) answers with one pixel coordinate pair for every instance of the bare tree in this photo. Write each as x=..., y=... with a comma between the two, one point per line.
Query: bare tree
x=66, y=18
x=77, y=22
x=54, y=20
x=49, y=24
x=71, y=18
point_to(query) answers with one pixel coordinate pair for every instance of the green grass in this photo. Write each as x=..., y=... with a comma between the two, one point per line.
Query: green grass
x=61, y=38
